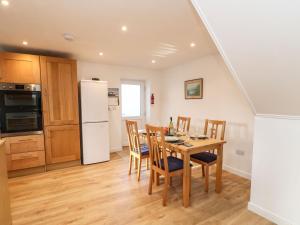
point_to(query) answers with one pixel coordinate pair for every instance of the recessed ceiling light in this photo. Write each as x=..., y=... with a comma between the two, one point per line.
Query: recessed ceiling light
x=101, y=53
x=192, y=45
x=24, y=43
x=5, y=3
x=124, y=28
x=153, y=61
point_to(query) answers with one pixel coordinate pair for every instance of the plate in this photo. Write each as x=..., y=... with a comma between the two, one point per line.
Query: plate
x=171, y=138
x=200, y=136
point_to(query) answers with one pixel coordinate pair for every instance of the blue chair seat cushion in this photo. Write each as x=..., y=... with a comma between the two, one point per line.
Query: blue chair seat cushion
x=173, y=163
x=206, y=157
x=144, y=150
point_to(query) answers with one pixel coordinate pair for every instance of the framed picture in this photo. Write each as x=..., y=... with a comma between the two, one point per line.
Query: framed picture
x=193, y=89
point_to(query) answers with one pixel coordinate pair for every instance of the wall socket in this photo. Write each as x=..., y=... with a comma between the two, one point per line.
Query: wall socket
x=240, y=152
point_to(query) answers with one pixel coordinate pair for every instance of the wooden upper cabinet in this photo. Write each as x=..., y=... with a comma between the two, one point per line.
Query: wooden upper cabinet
x=59, y=90
x=19, y=68
x=62, y=143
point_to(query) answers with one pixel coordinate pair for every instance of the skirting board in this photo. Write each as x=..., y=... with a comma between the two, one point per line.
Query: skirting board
x=237, y=172
x=268, y=215
x=118, y=149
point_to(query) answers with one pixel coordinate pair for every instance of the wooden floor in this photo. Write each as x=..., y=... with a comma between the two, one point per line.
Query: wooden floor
x=105, y=194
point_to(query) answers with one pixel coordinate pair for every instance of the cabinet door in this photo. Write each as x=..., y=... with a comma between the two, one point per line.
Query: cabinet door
x=62, y=143
x=59, y=90
x=19, y=68
x=5, y=216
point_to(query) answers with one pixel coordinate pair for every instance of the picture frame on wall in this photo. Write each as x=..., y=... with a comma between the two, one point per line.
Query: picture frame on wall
x=193, y=89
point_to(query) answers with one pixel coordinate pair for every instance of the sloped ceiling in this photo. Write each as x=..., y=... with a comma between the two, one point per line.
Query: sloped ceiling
x=260, y=42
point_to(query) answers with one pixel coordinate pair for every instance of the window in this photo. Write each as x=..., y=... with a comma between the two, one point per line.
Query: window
x=132, y=98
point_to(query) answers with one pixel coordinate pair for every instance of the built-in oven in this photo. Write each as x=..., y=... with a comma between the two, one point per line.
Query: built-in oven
x=20, y=109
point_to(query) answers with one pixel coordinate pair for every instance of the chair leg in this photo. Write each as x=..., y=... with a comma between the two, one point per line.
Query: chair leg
x=206, y=177
x=165, y=193
x=170, y=181
x=135, y=162
x=139, y=168
x=130, y=164
x=203, y=171
x=147, y=161
x=157, y=179
x=150, y=182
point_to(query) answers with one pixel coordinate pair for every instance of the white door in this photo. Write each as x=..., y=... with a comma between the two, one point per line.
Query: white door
x=94, y=101
x=132, y=105
x=95, y=142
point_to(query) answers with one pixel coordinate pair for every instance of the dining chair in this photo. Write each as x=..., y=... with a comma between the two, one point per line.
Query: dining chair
x=183, y=124
x=209, y=158
x=160, y=162
x=138, y=151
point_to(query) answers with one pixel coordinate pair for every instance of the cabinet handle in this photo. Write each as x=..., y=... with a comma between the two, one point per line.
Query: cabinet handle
x=25, y=140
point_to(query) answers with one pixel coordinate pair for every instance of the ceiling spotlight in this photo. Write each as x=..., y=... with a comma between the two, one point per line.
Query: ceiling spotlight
x=101, y=53
x=5, y=3
x=192, y=45
x=153, y=61
x=24, y=43
x=124, y=28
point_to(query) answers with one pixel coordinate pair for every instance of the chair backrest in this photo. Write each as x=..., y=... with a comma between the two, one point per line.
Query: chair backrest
x=211, y=128
x=157, y=148
x=133, y=136
x=183, y=123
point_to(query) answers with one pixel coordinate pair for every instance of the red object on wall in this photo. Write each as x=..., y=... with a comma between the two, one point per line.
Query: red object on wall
x=152, y=99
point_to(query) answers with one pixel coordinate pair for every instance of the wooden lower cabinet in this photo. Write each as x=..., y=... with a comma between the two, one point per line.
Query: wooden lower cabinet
x=25, y=160
x=62, y=143
x=5, y=216
x=24, y=152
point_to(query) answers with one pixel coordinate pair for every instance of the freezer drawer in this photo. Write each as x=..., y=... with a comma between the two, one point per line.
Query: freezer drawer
x=95, y=142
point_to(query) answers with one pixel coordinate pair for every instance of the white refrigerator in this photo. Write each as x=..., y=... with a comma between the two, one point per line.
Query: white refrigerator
x=94, y=121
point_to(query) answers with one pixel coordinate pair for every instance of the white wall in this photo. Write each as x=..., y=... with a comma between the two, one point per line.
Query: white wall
x=222, y=100
x=275, y=187
x=114, y=74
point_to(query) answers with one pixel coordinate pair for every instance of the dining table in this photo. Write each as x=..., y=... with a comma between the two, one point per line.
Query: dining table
x=196, y=145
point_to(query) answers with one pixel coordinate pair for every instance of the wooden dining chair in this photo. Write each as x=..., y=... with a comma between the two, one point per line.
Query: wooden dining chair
x=138, y=151
x=209, y=158
x=183, y=124
x=160, y=163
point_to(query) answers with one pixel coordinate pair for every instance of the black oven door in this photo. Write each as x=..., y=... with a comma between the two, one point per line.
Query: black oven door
x=23, y=99
x=22, y=121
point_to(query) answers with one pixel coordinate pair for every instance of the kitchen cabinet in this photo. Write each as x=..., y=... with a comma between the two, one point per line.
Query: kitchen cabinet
x=59, y=91
x=19, y=68
x=60, y=110
x=5, y=213
x=24, y=152
x=62, y=143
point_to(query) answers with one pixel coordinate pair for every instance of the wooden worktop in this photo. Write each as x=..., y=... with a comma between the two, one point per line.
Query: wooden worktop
x=5, y=216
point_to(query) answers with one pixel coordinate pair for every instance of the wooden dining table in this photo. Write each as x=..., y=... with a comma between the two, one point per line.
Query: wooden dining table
x=198, y=145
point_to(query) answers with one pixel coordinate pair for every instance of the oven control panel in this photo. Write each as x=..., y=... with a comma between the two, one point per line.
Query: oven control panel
x=19, y=87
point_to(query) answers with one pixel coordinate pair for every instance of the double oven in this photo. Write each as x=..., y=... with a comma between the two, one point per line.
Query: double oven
x=20, y=109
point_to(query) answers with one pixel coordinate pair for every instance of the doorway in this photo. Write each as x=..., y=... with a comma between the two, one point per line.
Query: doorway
x=132, y=105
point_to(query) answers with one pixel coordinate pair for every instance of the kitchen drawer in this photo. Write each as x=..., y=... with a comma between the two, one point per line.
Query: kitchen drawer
x=25, y=160
x=22, y=144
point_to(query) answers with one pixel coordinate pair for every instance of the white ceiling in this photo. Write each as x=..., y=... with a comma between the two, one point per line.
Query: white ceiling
x=155, y=28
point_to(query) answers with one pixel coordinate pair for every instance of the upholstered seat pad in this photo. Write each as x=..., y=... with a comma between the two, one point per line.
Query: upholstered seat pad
x=173, y=163
x=206, y=157
x=144, y=150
